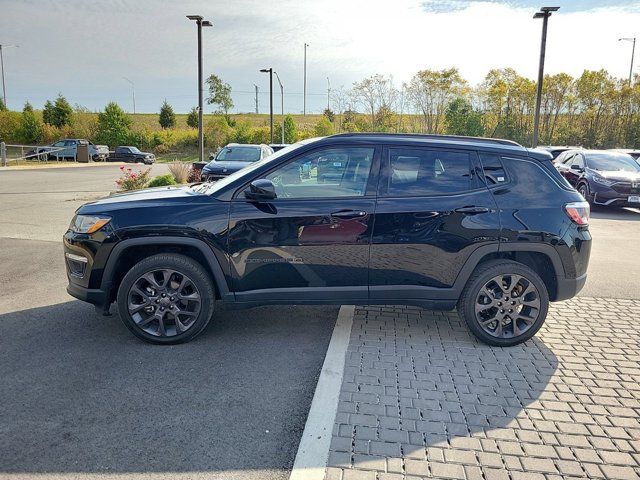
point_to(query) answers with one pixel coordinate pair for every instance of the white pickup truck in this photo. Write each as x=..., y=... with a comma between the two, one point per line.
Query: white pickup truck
x=67, y=148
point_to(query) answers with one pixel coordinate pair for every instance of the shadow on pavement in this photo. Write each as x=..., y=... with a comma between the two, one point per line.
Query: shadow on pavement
x=80, y=394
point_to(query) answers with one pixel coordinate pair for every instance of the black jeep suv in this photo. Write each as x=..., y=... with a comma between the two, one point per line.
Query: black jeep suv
x=485, y=225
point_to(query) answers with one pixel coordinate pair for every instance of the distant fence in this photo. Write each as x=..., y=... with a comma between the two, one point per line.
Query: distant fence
x=16, y=154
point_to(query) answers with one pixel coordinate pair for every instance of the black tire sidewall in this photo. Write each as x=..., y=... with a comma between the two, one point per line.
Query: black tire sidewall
x=179, y=263
x=484, y=273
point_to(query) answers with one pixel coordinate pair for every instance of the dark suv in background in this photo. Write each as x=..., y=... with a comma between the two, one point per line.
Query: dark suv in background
x=603, y=177
x=483, y=225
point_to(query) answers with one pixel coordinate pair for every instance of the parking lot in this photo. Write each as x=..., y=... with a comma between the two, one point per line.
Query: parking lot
x=81, y=396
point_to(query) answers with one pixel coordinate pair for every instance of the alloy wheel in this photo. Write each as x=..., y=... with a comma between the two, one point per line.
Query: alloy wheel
x=507, y=306
x=164, y=302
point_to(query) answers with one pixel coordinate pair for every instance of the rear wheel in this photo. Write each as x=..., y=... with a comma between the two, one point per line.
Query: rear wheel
x=166, y=299
x=504, y=303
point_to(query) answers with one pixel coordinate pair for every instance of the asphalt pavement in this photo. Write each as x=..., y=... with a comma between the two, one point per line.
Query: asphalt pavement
x=82, y=398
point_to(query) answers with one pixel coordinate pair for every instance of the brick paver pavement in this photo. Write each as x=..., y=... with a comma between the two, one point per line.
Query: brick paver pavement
x=422, y=398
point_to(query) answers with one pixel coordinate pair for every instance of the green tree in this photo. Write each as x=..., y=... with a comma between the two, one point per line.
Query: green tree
x=192, y=118
x=219, y=94
x=462, y=119
x=62, y=112
x=167, y=116
x=30, y=127
x=48, y=113
x=329, y=114
x=323, y=128
x=3, y=107
x=113, y=126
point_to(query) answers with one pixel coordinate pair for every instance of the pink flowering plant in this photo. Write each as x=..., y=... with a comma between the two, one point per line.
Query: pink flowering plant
x=131, y=179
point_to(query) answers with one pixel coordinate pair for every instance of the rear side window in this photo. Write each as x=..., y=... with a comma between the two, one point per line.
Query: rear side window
x=494, y=172
x=426, y=172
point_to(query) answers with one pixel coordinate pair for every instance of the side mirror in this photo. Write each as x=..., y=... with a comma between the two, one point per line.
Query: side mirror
x=577, y=168
x=261, y=190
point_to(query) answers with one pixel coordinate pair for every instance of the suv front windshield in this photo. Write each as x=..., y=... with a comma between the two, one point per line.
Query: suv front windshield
x=134, y=150
x=239, y=154
x=612, y=162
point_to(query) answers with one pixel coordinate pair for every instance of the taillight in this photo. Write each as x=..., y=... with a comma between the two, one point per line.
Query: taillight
x=578, y=212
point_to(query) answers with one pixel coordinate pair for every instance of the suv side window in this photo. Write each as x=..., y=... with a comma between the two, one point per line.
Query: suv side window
x=325, y=173
x=494, y=172
x=427, y=172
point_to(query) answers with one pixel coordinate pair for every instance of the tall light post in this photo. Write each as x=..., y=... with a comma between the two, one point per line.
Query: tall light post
x=328, y=93
x=201, y=23
x=633, y=52
x=304, y=94
x=4, y=88
x=544, y=13
x=281, y=103
x=133, y=93
x=270, y=72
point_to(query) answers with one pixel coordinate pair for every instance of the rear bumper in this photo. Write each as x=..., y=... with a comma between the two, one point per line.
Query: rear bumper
x=569, y=287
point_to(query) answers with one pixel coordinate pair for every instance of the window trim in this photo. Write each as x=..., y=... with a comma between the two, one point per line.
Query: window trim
x=370, y=189
x=385, y=170
x=506, y=172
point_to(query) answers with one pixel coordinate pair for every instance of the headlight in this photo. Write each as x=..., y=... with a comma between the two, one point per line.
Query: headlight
x=148, y=156
x=603, y=181
x=88, y=223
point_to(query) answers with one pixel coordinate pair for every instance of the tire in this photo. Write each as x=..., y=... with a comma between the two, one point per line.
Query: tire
x=158, y=295
x=583, y=189
x=533, y=301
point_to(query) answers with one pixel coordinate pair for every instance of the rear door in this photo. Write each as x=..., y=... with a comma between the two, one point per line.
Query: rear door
x=433, y=210
x=312, y=241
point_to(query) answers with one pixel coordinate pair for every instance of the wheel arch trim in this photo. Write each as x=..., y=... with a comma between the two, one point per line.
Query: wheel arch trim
x=121, y=247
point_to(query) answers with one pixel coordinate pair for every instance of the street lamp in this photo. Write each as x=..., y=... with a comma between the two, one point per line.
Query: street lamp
x=133, y=93
x=304, y=94
x=633, y=52
x=544, y=13
x=201, y=23
x=281, y=103
x=270, y=72
x=4, y=90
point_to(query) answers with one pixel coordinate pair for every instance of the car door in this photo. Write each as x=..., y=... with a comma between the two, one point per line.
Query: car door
x=433, y=210
x=575, y=167
x=312, y=241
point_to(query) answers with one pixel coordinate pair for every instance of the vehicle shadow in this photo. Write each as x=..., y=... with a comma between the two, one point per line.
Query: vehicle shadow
x=609, y=213
x=443, y=390
x=80, y=394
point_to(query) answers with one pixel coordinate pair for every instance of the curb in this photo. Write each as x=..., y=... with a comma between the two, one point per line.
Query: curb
x=313, y=451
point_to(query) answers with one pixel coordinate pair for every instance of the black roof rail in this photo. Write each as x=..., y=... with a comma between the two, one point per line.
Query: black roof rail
x=460, y=138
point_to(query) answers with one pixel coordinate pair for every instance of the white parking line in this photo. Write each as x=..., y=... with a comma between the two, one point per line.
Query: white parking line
x=313, y=451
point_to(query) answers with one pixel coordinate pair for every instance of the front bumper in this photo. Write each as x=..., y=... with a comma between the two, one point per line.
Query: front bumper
x=95, y=296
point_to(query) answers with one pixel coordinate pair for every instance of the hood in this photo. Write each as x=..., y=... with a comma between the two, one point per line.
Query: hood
x=618, y=175
x=149, y=197
x=231, y=166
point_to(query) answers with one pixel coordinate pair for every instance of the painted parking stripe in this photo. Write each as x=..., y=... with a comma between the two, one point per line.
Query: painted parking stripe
x=313, y=451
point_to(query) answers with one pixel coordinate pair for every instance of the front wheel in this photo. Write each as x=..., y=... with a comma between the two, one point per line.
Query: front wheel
x=504, y=303
x=583, y=190
x=166, y=299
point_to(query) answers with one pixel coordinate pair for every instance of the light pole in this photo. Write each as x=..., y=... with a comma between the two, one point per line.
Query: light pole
x=133, y=93
x=544, y=13
x=304, y=94
x=4, y=89
x=201, y=23
x=328, y=93
x=270, y=72
x=281, y=103
x=633, y=52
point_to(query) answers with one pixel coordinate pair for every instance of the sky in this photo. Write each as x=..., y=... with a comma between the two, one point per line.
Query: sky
x=84, y=48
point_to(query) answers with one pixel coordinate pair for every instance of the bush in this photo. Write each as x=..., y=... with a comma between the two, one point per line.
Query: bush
x=131, y=180
x=180, y=171
x=162, y=181
x=195, y=175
